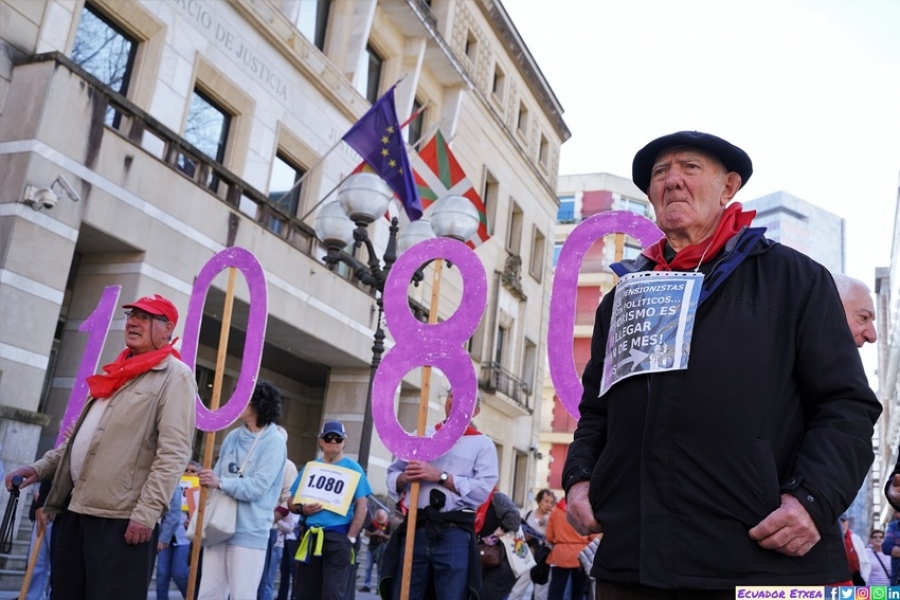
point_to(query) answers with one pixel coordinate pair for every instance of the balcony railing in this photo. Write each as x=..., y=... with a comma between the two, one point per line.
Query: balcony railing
x=496, y=379
x=153, y=137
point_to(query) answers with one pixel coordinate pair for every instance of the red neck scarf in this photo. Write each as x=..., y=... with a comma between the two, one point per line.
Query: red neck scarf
x=125, y=368
x=481, y=513
x=733, y=220
x=852, y=558
x=470, y=429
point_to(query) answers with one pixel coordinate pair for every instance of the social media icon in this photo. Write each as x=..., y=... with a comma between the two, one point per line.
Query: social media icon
x=847, y=592
x=878, y=592
x=831, y=593
x=862, y=593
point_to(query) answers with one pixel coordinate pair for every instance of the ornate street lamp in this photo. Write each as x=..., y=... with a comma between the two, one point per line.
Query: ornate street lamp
x=363, y=198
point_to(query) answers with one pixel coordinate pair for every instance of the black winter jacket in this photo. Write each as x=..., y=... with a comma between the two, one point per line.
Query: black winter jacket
x=775, y=400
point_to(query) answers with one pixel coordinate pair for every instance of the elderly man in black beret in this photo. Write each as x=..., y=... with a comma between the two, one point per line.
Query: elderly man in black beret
x=731, y=464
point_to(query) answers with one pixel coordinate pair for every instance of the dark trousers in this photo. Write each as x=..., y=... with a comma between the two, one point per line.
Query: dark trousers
x=559, y=577
x=326, y=577
x=91, y=560
x=288, y=568
x=622, y=591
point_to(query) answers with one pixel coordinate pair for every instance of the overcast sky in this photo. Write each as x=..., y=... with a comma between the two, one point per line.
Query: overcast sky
x=810, y=89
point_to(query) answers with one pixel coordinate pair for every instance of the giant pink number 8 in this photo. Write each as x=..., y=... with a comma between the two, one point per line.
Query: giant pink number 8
x=565, y=287
x=438, y=345
x=247, y=264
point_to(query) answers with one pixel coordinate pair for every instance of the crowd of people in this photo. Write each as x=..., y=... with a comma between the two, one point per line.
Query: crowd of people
x=731, y=465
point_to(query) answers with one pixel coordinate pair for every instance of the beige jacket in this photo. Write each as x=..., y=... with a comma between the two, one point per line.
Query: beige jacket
x=138, y=453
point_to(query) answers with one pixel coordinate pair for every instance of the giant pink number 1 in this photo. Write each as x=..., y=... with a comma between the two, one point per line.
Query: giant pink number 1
x=97, y=324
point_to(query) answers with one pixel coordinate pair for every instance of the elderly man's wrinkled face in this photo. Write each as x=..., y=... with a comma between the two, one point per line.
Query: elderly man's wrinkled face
x=861, y=316
x=689, y=190
x=145, y=332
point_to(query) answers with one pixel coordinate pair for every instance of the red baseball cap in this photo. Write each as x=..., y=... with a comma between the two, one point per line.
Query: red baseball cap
x=156, y=305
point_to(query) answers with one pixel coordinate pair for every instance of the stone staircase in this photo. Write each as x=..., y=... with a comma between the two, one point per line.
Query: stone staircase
x=14, y=563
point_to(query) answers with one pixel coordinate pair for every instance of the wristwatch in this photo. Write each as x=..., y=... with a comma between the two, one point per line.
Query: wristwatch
x=443, y=478
x=352, y=539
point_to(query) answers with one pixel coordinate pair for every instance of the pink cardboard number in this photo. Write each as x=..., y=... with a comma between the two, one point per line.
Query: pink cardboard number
x=247, y=264
x=565, y=286
x=418, y=344
x=97, y=324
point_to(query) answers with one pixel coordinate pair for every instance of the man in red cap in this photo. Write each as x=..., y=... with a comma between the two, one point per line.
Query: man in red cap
x=114, y=476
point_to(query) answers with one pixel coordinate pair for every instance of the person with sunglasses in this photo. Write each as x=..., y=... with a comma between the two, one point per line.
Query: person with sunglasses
x=114, y=477
x=327, y=550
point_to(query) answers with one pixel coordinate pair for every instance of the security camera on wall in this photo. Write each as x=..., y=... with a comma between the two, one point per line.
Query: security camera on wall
x=40, y=198
x=47, y=197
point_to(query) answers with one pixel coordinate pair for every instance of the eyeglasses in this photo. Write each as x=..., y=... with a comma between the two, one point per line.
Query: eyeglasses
x=191, y=471
x=332, y=438
x=144, y=317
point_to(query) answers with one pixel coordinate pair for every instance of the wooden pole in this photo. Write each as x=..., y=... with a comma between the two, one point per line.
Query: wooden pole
x=26, y=582
x=210, y=439
x=413, y=500
x=620, y=252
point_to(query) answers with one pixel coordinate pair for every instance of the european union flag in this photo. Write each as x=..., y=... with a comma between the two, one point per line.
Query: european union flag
x=376, y=136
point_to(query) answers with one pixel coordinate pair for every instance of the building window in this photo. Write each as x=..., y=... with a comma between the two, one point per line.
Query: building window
x=207, y=129
x=557, y=248
x=544, y=152
x=471, y=46
x=536, y=264
x=416, y=127
x=529, y=364
x=490, y=194
x=522, y=120
x=312, y=21
x=514, y=235
x=634, y=206
x=499, y=347
x=520, y=474
x=499, y=83
x=106, y=52
x=368, y=79
x=285, y=175
x=566, y=212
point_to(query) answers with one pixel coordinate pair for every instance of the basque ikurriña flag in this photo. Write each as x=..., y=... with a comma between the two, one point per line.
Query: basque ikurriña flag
x=376, y=136
x=438, y=174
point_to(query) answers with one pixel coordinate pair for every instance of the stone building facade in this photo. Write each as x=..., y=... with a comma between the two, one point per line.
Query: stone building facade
x=139, y=139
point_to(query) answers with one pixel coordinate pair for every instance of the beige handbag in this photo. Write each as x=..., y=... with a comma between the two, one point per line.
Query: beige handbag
x=220, y=516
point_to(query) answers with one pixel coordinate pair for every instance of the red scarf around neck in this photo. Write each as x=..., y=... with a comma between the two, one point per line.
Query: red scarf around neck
x=125, y=368
x=481, y=513
x=733, y=220
x=852, y=557
x=470, y=429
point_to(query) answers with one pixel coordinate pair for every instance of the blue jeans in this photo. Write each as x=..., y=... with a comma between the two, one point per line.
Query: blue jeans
x=40, y=576
x=267, y=587
x=444, y=561
x=374, y=557
x=172, y=563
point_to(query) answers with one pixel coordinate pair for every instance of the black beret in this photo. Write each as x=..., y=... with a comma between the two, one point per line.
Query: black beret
x=730, y=155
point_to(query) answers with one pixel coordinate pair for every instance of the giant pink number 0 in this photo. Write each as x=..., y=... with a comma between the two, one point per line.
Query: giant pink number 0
x=565, y=287
x=438, y=345
x=247, y=264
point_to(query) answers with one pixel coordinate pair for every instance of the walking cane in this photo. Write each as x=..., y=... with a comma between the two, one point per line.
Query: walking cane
x=32, y=560
x=9, y=517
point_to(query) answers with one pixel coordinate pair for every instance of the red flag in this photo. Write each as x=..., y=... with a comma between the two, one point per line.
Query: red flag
x=438, y=174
